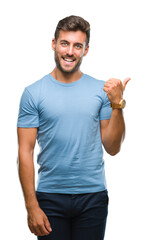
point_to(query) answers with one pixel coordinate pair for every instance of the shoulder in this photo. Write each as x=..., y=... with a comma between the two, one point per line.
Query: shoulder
x=34, y=91
x=37, y=86
x=95, y=81
x=96, y=85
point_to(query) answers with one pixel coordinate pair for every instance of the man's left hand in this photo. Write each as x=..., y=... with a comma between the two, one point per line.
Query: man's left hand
x=114, y=89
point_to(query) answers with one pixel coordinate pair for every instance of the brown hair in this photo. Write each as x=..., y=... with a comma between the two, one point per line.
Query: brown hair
x=73, y=23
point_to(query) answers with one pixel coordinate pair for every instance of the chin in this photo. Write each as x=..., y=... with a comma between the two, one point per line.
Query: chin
x=66, y=70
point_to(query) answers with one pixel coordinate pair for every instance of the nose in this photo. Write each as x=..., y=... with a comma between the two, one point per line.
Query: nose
x=70, y=50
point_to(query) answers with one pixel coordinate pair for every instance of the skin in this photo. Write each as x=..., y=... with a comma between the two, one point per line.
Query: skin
x=69, y=46
x=72, y=46
x=113, y=130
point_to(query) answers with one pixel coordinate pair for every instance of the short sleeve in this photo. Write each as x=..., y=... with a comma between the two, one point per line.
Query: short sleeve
x=28, y=116
x=106, y=110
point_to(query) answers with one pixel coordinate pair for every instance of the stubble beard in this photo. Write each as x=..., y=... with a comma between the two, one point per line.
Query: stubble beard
x=58, y=65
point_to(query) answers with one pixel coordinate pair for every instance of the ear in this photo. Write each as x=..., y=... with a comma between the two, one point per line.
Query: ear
x=86, y=50
x=53, y=44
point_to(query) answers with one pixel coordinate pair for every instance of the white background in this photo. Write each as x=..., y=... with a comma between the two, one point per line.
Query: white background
x=117, y=49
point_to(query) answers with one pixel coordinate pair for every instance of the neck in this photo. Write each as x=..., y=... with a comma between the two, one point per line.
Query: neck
x=66, y=77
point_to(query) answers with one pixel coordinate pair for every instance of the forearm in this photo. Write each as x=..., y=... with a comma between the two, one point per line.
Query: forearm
x=27, y=178
x=37, y=220
x=115, y=132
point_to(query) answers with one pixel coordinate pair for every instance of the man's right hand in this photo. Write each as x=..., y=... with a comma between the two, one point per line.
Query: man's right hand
x=38, y=222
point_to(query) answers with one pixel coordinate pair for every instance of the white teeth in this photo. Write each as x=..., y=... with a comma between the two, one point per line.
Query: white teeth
x=68, y=60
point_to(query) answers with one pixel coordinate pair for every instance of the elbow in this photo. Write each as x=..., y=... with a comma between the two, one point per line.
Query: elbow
x=113, y=147
x=113, y=152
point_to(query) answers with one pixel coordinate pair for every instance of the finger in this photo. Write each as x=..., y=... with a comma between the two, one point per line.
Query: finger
x=112, y=83
x=113, y=80
x=36, y=231
x=39, y=230
x=108, y=84
x=43, y=230
x=105, y=89
x=126, y=80
x=47, y=225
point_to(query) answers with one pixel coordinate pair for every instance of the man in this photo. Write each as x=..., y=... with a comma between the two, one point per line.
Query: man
x=70, y=115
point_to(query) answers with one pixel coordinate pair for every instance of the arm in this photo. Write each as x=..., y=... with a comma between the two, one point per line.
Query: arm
x=113, y=130
x=37, y=220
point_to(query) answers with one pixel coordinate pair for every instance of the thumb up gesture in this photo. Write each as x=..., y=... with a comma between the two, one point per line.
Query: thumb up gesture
x=114, y=89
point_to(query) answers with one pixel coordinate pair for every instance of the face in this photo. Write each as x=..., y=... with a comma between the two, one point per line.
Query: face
x=69, y=48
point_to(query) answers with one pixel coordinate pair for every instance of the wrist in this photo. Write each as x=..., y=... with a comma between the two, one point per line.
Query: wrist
x=119, y=105
x=32, y=204
x=117, y=112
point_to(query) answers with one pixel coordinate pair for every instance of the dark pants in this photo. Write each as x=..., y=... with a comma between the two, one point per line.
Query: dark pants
x=75, y=216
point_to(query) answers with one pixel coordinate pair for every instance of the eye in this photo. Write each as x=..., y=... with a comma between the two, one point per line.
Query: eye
x=64, y=44
x=78, y=46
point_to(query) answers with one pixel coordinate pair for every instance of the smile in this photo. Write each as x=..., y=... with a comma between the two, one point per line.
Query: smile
x=68, y=59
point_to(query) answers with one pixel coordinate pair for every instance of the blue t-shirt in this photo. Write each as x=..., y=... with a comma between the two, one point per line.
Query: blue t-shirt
x=67, y=116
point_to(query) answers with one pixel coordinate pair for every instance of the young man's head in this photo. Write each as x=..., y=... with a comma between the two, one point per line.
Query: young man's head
x=73, y=23
x=71, y=43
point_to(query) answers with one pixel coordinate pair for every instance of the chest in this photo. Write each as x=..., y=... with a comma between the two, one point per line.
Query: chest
x=69, y=103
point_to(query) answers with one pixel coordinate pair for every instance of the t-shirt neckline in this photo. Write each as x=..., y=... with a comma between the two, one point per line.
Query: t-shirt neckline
x=66, y=84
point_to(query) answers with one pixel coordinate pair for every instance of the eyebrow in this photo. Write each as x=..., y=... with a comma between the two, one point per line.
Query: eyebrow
x=76, y=43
